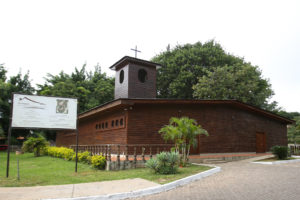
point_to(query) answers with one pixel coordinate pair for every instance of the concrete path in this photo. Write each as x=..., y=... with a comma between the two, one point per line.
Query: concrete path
x=74, y=190
x=242, y=180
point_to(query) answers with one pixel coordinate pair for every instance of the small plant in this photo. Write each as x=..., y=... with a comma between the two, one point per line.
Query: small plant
x=164, y=163
x=152, y=164
x=98, y=161
x=35, y=145
x=281, y=152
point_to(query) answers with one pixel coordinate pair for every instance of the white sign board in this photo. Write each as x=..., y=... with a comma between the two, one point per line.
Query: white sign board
x=31, y=111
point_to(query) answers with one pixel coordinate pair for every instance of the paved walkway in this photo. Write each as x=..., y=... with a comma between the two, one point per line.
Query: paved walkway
x=74, y=190
x=242, y=180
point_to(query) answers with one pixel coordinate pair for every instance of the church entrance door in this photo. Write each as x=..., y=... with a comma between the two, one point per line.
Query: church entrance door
x=260, y=142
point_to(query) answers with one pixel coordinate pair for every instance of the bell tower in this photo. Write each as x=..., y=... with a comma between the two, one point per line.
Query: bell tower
x=135, y=78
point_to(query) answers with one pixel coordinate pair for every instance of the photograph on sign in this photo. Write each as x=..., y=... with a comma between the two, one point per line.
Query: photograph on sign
x=30, y=111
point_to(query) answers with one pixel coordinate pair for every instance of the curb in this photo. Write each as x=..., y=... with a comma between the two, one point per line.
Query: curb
x=151, y=190
x=279, y=162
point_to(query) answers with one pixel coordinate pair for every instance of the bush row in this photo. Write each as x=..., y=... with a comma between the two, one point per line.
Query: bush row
x=97, y=161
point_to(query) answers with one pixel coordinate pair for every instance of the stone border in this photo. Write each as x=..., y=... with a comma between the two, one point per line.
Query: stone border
x=151, y=190
x=280, y=162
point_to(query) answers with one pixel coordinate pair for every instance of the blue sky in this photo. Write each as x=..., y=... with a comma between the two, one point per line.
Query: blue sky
x=50, y=36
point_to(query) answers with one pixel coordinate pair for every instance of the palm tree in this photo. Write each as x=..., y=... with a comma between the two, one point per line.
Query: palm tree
x=183, y=131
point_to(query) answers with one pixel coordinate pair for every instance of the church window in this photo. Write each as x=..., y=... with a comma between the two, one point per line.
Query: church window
x=102, y=125
x=121, y=122
x=112, y=123
x=96, y=126
x=117, y=122
x=106, y=124
x=121, y=78
x=142, y=75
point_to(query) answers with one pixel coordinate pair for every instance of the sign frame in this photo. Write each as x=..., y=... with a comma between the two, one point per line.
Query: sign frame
x=37, y=128
x=27, y=127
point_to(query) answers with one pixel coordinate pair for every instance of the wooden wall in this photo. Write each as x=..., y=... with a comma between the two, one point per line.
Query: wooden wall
x=231, y=129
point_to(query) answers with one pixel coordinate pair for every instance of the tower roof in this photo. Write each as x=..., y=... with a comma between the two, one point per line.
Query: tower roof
x=127, y=59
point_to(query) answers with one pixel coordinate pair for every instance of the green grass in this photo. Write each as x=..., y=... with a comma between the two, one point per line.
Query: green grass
x=46, y=170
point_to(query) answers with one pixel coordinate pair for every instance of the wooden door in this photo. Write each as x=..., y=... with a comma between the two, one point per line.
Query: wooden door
x=260, y=142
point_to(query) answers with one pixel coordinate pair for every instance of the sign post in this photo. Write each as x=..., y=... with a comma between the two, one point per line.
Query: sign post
x=41, y=112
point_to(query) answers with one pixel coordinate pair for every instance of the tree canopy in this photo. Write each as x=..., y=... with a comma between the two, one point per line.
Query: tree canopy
x=293, y=132
x=91, y=88
x=187, y=67
x=241, y=82
x=19, y=83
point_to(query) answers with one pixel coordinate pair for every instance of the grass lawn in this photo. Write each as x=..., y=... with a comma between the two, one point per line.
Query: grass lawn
x=273, y=159
x=46, y=170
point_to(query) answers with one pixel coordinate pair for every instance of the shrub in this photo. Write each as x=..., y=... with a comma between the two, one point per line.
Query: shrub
x=152, y=164
x=82, y=157
x=164, y=163
x=98, y=161
x=281, y=152
x=35, y=145
x=60, y=152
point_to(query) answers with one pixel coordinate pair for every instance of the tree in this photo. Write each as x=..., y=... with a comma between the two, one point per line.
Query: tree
x=293, y=132
x=35, y=145
x=184, y=65
x=2, y=72
x=290, y=115
x=91, y=88
x=241, y=82
x=1, y=131
x=183, y=131
x=20, y=84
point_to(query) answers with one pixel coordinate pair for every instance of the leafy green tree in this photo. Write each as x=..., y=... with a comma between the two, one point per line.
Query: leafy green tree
x=293, y=132
x=35, y=145
x=91, y=88
x=241, y=82
x=183, y=131
x=2, y=72
x=1, y=131
x=290, y=115
x=185, y=65
x=19, y=84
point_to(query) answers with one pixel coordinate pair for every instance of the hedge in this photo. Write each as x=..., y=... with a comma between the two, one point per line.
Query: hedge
x=97, y=161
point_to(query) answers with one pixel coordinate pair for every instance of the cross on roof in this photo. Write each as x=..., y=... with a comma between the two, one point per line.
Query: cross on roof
x=135, y=51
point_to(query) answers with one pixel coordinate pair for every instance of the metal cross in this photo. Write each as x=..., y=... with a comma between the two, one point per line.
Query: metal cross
x=135, y=51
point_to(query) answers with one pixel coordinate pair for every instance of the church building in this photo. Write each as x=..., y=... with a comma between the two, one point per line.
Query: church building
x=136, y=115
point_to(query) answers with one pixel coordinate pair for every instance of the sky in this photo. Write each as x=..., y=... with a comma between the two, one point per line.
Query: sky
x=50, y=36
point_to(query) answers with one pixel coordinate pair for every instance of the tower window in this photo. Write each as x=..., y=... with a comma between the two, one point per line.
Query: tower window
x=106, y=124
x=142, y=75
x=121, y=78
x=121, y=122
x=117, y=122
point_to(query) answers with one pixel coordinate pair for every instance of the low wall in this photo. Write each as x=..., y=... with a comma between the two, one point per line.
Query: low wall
x=122, y=165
